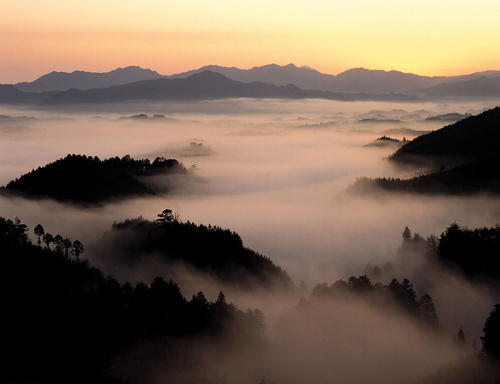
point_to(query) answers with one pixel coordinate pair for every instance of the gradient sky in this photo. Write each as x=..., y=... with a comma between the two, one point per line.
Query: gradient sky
x=428, y=37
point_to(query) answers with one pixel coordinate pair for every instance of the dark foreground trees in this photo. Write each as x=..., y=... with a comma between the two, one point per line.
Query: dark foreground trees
x=66, y=322
x=491, y=338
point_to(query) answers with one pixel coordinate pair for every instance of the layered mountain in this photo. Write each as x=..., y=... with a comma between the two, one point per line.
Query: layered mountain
x=357, y=80
x=351, y=81
x=202, y=86
x=9, y=94
x=480, y=88
x=61, y=81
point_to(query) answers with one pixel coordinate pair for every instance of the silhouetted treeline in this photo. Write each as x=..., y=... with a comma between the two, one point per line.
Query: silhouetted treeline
x=478, y=177
x=66, y=321
x=396, y=295
x=474, y=252
x=465, y=155
x=385, y=141
x=82, y=179
x=473, y=138
x=491, y=338
x=211, y=249
x=480, y=366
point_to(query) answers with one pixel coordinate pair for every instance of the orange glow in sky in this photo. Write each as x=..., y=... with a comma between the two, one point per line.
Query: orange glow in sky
x=428, y=37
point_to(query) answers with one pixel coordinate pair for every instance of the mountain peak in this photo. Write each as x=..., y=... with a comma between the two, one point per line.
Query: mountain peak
x=60, y=81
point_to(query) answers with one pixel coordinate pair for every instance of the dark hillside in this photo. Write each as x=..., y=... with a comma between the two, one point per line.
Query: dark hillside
x=479, y=177
x=212, y=250
x=82, y=179
x=67, y=323
x=464, y=157
x=476, y=137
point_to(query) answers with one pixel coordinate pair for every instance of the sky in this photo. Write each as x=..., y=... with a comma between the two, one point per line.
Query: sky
x=427, y=37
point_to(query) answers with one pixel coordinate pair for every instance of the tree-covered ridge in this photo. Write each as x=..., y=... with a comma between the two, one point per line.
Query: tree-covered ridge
x=473, y=138
x=210, y=249
x=473, y=252
x=397, y=295
x=386, y=141
x=66, y=321
x=479, y=177
x=87, y=179
x=464, y=156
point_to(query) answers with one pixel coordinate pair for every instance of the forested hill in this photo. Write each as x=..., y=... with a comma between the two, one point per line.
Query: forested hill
x=479, y=177
x=212, y=250
x=67, y=323
x=473, y=138
x=474, y=252
x=464, y=158
x=82, y=179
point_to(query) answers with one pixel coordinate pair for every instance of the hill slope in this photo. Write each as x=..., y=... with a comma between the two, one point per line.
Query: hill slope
x=82, y=179
x=473, y=138
x=69, y=324
x=466, y=152
x=140, y=245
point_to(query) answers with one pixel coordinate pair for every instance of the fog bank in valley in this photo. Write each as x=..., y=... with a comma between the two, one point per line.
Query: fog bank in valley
x=276, y=172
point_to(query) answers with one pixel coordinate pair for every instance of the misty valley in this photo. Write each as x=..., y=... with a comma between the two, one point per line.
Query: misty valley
x=249, y=235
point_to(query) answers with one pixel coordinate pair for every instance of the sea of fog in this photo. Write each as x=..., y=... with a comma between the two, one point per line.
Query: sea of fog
x=274, y=171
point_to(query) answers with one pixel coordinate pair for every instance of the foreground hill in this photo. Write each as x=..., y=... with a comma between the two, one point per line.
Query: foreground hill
x=62, y=81
x=213, y=251
x=68, y=323
x=82, y=179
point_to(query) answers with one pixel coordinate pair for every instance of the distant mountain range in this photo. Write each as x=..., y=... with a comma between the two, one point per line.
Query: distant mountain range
x=351, y=81
x=269, y=81
x=479, y=88
x=202, y=86
x=62, y=81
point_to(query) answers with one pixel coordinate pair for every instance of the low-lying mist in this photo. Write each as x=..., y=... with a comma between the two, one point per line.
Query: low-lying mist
x=276, y=172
